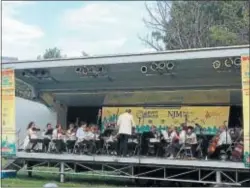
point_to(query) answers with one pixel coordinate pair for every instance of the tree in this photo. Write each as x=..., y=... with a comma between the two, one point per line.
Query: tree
x=197, y=24
x=51, y=53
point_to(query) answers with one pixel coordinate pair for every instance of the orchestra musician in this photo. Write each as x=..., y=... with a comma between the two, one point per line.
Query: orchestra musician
x=70, y=136
x=191, y=139
x=125, y=123
x=84, y=136
x=32, y=136
x=221, y=142
x=178, y=140
x=155, y=140
x=58, y=136
x=97, y=140
x=47, y=135
x=174, y=141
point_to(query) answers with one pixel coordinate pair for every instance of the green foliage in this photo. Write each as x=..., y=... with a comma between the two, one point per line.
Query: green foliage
x=197, y=24
x=52, y=53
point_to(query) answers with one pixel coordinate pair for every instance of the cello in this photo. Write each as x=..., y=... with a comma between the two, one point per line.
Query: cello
x=213, y=144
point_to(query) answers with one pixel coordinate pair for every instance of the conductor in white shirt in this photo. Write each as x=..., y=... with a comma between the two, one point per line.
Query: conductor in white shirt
x=125, y=123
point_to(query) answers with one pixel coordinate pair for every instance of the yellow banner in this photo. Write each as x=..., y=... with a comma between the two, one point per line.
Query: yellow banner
x=8, y=145
x=185, y=97
x=245, y=74
x=209, y=118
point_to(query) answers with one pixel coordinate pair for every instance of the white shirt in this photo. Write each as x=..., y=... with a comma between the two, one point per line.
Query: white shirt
x=32, y=134
x=80, y=134
x=54, y=134
x=182, y=139
x=224, y=138
x=165, y=135
x=125, y=123
x=191, y=138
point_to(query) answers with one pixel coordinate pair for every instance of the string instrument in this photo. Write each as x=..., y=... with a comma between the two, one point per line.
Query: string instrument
x=237, y=153
x=213, y=144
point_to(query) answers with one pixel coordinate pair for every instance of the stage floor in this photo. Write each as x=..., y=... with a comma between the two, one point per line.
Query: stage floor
x=133, y=160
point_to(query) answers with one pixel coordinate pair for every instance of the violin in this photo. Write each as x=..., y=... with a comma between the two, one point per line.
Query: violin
x=213, y=145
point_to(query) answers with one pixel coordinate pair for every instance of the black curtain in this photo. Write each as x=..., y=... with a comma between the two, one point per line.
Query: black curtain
x=87, y=114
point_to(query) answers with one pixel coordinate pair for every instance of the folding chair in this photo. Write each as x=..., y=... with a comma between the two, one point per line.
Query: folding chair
x=185, y=151
x=52, y=147
x=80, y=147
x=199, y=148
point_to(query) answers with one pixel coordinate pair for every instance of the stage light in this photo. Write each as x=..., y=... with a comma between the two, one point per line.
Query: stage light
x=78, y=70
x=154, y=66
x=216, y=64
x=237, y=62
x=144, y=69
x=85, y=71
x=170, y=66
x=161, y=65
x=228, y=63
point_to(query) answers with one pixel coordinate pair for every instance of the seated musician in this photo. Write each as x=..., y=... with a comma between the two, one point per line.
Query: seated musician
x=174, y=141
x=71, y=132
x=84, y=136
x=113, y=142
x=191, y=139
x=224, y=138
x=178, y=140
x=155, y=140
x=97, y=140
x=57, y=137
x=223, y=142
x=47, y=135
x=71, y=137
x=32, y=135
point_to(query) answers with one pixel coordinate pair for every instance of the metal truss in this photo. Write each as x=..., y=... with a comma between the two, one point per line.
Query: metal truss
x=143, y=172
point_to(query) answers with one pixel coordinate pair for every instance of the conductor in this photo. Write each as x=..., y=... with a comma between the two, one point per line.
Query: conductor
x=125, y=123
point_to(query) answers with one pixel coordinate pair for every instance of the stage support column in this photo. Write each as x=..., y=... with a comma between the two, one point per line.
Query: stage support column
x=62, y=172
x=218, y=177
x=29, y=168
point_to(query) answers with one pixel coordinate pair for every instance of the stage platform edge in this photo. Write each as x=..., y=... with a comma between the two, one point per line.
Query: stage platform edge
x=133, y=160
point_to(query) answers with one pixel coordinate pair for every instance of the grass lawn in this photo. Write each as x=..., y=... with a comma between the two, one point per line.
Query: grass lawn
x=39, y=179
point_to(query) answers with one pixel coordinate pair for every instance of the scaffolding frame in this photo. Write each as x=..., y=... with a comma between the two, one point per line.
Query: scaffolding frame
x=129, y=170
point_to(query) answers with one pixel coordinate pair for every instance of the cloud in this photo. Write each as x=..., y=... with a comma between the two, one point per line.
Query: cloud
x=103, y=28
x=18, y=39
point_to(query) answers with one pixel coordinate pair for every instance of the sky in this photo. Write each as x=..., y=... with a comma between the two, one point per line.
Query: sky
x=97, y=28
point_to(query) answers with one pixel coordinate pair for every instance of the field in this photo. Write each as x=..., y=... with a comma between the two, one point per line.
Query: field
x=39, y=179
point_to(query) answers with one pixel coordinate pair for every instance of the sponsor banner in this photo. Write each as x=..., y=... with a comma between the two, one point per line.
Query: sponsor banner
x=245, y=74
x=209, y=118
x=169, y=97
x=8, y=144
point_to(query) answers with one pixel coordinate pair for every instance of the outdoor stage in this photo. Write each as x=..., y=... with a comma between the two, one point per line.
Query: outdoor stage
x=138, y=168
x=142, y=160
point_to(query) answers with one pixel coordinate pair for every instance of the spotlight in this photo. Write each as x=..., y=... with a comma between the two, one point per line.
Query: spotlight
x=170, y=66
x=84, y=71
x=154, y=66
x=216, y=64
x=144, y=69
x=161, y=65
x=228, y=63
x=237, y=62
x=78, y=70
